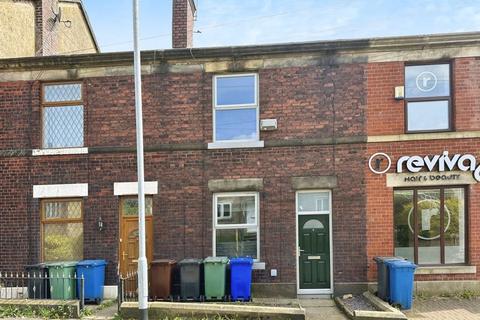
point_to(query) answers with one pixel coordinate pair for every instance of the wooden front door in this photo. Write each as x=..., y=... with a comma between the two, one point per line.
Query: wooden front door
x=128, y=254
x=314, y=251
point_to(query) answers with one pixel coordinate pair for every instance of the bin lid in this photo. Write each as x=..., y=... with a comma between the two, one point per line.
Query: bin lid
x=163, y=261
x=241, y=260
x=61, y=264
x=381, y=259
x=191, y=261
x=397, y=264
x=36, y=266
x=91, y=263
x=223, y=260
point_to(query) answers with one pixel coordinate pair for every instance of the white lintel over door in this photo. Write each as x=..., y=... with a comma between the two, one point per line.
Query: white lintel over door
x=131, y=188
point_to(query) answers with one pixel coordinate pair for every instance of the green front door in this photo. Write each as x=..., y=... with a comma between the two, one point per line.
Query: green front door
x=314, y=249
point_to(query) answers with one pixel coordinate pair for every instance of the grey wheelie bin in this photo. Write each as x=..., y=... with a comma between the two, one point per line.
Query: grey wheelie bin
x=190, y=279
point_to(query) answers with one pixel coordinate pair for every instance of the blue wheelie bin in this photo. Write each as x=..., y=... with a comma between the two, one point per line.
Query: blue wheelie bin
x=401, y=282
x=93, y=272
x=241, y=278
x=383, y=278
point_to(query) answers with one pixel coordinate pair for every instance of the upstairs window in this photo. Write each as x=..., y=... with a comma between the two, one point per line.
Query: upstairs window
x=236, y=108
x=428, y=98
x=62, y=115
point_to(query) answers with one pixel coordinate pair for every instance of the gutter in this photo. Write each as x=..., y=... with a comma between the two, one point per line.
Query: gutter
x=406, y=43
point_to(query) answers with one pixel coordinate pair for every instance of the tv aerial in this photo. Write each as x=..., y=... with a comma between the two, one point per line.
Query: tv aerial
x=58, y=17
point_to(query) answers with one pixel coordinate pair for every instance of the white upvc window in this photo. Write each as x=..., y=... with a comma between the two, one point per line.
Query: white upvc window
x=235, y=111
x=313, y=202
x=236, y=225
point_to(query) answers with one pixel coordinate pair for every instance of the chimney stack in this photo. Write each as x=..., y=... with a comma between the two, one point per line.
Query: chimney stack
x=45, y=29
x=182, y=23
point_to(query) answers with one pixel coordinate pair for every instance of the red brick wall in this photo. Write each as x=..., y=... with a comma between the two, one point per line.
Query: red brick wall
x=309, y=103
x=178, y=107
x=16, y=120
x=466, y=94
x=385, y=115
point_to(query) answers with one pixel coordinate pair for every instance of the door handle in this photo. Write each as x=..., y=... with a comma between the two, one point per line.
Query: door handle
x=124, y=255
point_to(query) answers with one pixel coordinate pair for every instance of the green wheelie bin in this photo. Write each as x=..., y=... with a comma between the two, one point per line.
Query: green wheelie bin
x=215, y=274
x=62, y=280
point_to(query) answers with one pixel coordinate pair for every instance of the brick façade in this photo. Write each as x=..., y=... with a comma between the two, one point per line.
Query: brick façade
x=326, y=111
x=385, y=117
x=178, y=111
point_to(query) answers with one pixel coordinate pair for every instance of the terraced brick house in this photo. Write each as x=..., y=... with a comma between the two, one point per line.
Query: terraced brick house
x=312, y=158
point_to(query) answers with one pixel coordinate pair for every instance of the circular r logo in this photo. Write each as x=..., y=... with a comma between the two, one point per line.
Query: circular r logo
x=426, y=81
x=379, y=163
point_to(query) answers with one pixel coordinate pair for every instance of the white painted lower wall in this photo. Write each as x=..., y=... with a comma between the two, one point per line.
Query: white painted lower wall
x=14, y=293
x=110, y=292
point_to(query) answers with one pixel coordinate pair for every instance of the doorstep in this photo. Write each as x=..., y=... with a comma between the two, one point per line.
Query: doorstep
x=244, y=311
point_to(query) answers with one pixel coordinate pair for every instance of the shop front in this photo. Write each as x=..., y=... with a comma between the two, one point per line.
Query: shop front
x=427, y=202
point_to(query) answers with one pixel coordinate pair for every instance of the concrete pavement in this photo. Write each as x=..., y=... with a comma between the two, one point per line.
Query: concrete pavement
x=439, y=308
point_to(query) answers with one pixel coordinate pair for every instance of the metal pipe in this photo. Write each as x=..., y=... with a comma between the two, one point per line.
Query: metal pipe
x=142, y=259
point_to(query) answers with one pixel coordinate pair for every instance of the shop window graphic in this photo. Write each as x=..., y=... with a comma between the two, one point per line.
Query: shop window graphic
x=427, y=233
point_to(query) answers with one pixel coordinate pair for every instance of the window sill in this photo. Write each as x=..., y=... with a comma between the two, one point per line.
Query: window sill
x=447, y=270
x=59, y=151
x=235, y=144
x=258, y=266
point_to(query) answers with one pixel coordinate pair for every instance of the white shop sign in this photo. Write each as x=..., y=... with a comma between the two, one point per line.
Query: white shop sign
x=423, y=165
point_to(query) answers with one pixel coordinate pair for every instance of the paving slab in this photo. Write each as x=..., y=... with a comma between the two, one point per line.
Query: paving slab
x=445, y=309
x=315, y=308
x=321, y=309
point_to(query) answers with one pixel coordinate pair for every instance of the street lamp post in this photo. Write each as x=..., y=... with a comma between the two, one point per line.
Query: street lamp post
x=142, y=259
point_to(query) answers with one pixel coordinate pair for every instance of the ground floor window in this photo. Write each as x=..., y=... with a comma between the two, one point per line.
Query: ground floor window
x=235, y=225
x=430, y=225
x=62, y=229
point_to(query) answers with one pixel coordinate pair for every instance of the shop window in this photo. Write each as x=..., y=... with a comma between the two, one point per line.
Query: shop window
x=428, y=98
x=430, y=225
x=236, y=225
x=62, y=229
x=236, y=108
x=62, y=115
